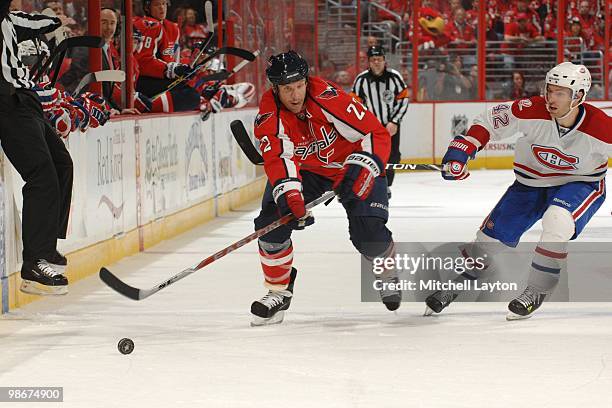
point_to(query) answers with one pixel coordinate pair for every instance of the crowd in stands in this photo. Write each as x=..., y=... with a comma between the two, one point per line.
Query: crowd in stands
x=515, y=31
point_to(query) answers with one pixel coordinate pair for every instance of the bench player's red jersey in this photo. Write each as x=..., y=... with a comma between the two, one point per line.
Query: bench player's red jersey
x=331, y=126
x=160, y=45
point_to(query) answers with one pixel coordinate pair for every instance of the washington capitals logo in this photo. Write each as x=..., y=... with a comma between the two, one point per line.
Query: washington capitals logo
x=329, y=93
x=554, y=158
x=261, y=118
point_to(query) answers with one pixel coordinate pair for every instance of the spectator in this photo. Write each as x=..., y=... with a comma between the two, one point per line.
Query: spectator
x=355, y=69
x=516, y=89
x=576, y=39
x=452, y=84
x=428, y=78
x=191, y=31
x=518, y=35
x=371, y=41
x=473, y=78
x=462, y=35
x=522, y=7
x=587, y=19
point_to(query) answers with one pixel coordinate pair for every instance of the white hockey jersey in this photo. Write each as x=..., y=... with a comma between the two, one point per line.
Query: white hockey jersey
x=544, y=156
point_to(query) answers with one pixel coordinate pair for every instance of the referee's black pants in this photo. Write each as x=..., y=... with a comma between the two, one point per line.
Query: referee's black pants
x=394, y=157
x=41, y=158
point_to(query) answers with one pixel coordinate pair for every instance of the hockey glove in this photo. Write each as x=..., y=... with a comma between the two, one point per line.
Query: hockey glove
x=455, y=160
x=60, y=120
x=99, y=111
x=359, y=172
x=289, y=200
x=175, y=69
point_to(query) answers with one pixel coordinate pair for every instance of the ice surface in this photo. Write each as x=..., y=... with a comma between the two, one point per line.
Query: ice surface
x=195, y=348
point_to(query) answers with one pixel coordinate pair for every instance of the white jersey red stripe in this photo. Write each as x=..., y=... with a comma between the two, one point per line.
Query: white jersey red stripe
x=545, y=157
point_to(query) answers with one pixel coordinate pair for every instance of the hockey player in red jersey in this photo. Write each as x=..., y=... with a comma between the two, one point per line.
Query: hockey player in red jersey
x=158, y=59
x=314, y=138
x=561, y=158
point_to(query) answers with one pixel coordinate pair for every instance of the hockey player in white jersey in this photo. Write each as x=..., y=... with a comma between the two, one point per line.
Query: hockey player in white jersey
x=561, y=158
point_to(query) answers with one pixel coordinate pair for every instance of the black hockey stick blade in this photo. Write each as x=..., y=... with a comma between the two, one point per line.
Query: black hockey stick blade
x=244, y=141
x=118, y=285
x=89, y=41
x=237, y=52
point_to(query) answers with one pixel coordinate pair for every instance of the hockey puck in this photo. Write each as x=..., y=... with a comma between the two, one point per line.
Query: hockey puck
x=125, y=346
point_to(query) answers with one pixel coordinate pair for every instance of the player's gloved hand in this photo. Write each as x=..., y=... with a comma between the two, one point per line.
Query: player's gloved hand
x=360, y=170
x=209, y=91
x=289, y=200
x=60, y=120
x=176, y=69
x=82, y=119
x=99, y=111
x=455, y=160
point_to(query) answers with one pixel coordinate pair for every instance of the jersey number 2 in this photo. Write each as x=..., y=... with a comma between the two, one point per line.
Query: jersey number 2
x=353, y=108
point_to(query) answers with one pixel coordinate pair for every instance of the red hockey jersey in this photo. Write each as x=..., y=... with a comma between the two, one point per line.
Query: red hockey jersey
x=160, y=45
x=331, y=126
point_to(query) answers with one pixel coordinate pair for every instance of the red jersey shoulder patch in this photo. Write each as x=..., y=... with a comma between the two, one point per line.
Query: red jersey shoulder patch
x=261, y=118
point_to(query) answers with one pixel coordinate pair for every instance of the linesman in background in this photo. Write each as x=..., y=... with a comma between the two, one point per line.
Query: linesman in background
x=37, y=153
x=384, y=92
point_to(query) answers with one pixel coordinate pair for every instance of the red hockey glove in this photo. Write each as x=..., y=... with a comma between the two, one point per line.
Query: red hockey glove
x=288, y=196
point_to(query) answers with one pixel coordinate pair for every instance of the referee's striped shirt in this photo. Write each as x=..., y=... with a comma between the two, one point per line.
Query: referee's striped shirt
x=16, y=27
x=379, y=94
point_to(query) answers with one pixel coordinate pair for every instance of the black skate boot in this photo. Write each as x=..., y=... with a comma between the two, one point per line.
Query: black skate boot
x=392, y=299
x=525, y=304
x=437, y=301
x=40, y=278
x=270, y=309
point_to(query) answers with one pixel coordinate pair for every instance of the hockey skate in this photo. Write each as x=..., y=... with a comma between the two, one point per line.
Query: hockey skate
x=525, y=304
x=392, y=299
x=438, y=301
x=41, y=278
x=270, y=309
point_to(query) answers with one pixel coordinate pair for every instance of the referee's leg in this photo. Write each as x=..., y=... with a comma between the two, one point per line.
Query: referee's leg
x=394, y=157
x=63, y=168
x=22, y=134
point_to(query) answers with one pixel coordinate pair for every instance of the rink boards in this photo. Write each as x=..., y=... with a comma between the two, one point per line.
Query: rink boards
x=137, y=181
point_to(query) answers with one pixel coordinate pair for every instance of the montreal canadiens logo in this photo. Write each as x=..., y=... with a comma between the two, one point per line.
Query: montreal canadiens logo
x=261, y=118
x=329, y=93
x=554, y=158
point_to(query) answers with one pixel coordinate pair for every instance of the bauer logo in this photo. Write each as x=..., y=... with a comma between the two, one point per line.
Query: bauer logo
x=554, y=158
x=329, y=93
x=261, y=118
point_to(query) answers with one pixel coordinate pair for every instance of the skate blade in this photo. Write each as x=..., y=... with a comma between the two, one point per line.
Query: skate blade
x=35, y=288
x=260, y=321
x=511, y=316
x=428, y=311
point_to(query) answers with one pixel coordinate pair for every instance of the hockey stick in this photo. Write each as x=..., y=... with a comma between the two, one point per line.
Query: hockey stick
x=89, y=41
x=109, y=75
x=138, y=294
x=211, y=32
x=248, y=148
x=233, y=71
x=238, y=52
x=217, y=76
x=244, y=141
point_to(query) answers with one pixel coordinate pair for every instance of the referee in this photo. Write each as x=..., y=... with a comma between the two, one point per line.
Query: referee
x=37, y=153
x=378, y=88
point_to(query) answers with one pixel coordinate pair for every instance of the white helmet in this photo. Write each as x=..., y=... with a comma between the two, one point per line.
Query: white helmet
x=573, y=76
